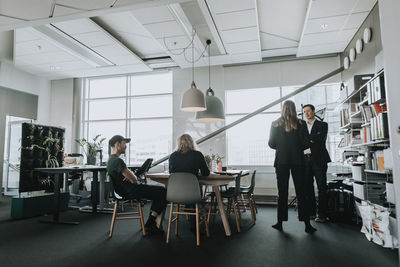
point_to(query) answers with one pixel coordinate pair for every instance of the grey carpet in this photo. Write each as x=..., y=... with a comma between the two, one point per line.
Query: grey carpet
x=30, y=243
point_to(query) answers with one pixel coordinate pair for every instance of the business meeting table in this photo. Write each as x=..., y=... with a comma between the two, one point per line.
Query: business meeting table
x=58, y=178
x=215, y=180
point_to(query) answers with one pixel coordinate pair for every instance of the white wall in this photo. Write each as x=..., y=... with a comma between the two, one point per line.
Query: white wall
x=390, y=21
x=61, y=108
x=13, y=78
x=287, y=73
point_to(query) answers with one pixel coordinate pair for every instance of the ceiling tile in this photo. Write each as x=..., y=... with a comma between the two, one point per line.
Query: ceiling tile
x=328, y=8
x=272, y=42
x=39, y=46
x=335, y=23
x=328, y=37
x=24, y=35
x=236, y=20
x=51, y=57
x=153, y=15
x=165, y=29
x=289, y=25
x=93, y=39
x=224, y=6
x=243, y=47
x=238, y=35
x=77, y=26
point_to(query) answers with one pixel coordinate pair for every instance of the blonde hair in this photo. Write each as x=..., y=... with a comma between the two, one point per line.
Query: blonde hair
x=288, y=117
x=185, y=143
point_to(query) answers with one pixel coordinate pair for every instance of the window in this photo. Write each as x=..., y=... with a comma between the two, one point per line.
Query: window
x=136, y=106
x=247, y=143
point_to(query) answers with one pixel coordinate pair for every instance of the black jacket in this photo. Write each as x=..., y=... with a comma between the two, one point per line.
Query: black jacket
x=289, y=146
x=317, y=138
x=192, y=162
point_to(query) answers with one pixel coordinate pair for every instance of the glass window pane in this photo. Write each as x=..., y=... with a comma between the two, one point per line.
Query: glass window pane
x=247, y=142
x=107, y=109
x=314, y=95
x=108, y=87
x=249, y=100
x=333, y=93
x=150, y=84
x=107, y=130
x=150, y=139
x=151, y=106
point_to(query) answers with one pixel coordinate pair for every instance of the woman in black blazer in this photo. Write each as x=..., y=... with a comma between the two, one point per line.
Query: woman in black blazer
x=288, y=139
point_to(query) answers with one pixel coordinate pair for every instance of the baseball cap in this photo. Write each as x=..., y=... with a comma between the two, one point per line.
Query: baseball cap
x=118, y=138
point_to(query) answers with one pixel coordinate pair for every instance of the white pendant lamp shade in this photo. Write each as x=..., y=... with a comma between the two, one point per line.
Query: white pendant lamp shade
x=215, y=109
x=193, y=100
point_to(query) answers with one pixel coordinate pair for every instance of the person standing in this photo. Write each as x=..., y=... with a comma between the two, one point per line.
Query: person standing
x=126, y=184
x=288, y=139
x=316, y=159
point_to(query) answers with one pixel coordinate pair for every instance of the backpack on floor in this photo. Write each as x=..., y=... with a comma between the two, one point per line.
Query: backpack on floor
x=341, y=205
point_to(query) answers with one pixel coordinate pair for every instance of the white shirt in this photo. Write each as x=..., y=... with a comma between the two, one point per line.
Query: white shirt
x=309, y=127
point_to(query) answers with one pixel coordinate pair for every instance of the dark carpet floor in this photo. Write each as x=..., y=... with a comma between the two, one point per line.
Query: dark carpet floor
x=30, y=243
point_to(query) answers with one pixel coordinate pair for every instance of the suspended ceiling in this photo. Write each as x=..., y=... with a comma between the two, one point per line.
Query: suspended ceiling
x=71, y=38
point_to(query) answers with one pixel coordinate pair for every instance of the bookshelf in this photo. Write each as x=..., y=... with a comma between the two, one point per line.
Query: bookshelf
x=364, y=126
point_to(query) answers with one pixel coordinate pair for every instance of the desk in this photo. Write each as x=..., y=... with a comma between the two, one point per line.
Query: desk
x=60, y=171
x=215, y=180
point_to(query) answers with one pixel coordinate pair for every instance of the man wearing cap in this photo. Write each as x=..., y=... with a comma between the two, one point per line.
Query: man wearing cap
x=126, y=183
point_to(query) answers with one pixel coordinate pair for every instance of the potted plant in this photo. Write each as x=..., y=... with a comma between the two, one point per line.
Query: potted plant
x=90, y=148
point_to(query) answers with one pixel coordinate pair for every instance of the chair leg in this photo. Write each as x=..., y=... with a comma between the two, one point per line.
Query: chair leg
x=235, y=210
x=177, y=219
x=239, y=213
x=122, y=206
x=108, y=195
x=254, y=202
x=141, y=218
x=132, y=203
x=197, y=226
x=243, y=203
x=228, y=208
x=209, y=208
x=206, y=221
x=253, y=212
x=113, y=218
x=171, y=211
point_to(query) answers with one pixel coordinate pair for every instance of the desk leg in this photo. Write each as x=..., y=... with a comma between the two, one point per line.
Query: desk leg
x=56, y=214
x=94, y=192
x=222, y=211
x=102, y=181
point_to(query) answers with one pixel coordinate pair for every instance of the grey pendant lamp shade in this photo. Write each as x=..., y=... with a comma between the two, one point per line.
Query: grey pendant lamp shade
x=215, y=108
x=193, y=99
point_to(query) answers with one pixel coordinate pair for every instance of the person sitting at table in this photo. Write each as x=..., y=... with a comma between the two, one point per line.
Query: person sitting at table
x=126, y=184
x=187, y=159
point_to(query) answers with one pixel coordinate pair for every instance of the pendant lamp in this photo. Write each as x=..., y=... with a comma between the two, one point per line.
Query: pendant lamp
x=193, y=99
x=215, y=108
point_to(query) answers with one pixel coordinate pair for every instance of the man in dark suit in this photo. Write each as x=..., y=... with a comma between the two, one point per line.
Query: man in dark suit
x=316, y=161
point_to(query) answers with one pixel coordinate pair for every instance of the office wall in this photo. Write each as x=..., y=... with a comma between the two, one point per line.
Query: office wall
x=23, y=95
x=365, y=62
x=298, y=72
x=61, y=108
x=390, y=21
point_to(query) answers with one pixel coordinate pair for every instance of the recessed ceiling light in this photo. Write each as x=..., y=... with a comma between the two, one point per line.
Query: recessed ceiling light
x=324, y=26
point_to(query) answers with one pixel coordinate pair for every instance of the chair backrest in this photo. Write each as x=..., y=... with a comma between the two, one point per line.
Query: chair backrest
x=237, y=184
x=145, y=167
x=253, y=182
x=183, y=188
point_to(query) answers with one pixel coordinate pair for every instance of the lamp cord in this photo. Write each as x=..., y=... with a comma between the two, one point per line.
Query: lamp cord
x=193, y=56
x=209, y=67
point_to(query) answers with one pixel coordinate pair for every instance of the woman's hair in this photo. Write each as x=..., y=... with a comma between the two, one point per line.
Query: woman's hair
x=288, y=117
x=185, y=143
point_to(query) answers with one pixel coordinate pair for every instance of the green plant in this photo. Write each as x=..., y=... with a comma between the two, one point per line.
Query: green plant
x=90, y=148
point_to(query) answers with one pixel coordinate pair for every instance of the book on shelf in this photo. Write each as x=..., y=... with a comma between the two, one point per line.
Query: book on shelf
x=376, y=89
x=378, y=160
x=379, y=127
x=366, y=113
x=366, y=134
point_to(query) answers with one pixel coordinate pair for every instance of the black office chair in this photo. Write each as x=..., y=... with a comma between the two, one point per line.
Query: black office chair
x=75, y=179
x=142, y=170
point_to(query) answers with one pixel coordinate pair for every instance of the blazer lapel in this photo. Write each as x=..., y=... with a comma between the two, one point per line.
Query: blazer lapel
x=314, y=128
